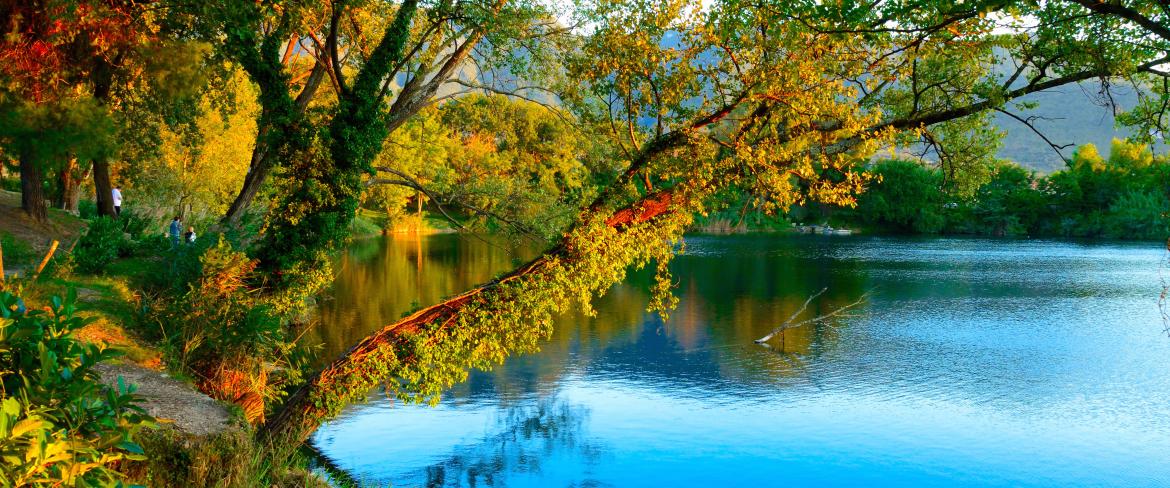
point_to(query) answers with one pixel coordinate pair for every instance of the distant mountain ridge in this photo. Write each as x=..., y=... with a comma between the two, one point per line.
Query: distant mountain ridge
x=1074, y=114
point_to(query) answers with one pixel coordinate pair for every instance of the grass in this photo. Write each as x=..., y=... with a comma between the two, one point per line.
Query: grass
x=115, y=302
x=367, y=223
x=61, y=225
x=111, y=304
x=111, y=301
x=17, y=252
x=229, y=459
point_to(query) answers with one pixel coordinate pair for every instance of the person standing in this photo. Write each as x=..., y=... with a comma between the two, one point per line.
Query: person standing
x=117, y=194
x=175, y=230
x=190, y=235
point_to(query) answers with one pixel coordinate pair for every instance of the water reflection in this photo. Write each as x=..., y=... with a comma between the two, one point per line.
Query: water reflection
x=976, y=362
x=525, y=436
x=379, y=280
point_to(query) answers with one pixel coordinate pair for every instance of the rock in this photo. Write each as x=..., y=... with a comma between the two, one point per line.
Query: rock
x=170, y=400
x=87, y=294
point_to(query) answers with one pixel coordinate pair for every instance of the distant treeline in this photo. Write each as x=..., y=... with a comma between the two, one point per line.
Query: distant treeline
x=1124, y=196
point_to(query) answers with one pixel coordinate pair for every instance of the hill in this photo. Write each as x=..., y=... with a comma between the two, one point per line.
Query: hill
x=1073, y=114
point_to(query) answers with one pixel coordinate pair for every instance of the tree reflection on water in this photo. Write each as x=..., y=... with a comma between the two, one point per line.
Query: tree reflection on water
x=527, y=435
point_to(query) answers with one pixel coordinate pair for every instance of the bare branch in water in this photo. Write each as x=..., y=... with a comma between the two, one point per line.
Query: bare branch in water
x=1163, y=306
x=789, y=324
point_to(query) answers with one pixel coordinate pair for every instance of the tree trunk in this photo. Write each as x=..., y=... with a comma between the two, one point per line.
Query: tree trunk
x=258, y=170
x=32, y=194
x=261, y=164
x=101, y=185
x=349, y=377
x=73, y=196
x=62, y=184
x=69, y=186
x=103, y=75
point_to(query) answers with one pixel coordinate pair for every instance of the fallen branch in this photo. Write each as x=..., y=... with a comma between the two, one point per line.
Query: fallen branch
x=1164, y=297
x=789, y=324
x=48, y=256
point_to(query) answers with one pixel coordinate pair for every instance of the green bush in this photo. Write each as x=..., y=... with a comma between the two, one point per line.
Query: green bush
x=219, y=315
x=221, y=329
x=59, y=425
x=908, y=198
x=153, y=244
x=136, y=223
x=1139, y=215
x=102, y=242
x=87, y=209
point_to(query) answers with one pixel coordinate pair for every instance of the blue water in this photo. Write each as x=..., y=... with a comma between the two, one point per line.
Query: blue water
x=971, y=363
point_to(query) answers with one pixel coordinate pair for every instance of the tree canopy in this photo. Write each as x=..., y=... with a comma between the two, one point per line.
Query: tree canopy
x=600, y=129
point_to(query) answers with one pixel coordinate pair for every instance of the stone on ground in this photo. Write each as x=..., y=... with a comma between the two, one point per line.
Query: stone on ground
x=170, y=400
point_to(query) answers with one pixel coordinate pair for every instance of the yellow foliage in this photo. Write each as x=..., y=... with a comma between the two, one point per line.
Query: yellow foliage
x=201, y=168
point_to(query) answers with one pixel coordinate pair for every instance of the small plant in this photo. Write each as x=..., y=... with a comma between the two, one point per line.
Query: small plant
x=59, y=425
x=101, y=244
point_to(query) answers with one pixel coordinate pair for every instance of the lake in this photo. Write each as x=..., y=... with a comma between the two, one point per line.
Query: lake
x=973, y=362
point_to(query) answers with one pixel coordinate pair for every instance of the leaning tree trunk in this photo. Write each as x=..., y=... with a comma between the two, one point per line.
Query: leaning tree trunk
x=101, y=185
x=352, y=375
x=263, y=159
x=258, y=170
x=32, y=194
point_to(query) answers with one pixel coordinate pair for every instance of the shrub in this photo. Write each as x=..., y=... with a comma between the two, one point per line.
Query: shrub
x=102, y=242
x=59, y=425
x=1139, y=215
x=136, y=223
x=221, y=330
x=906, y=199
x=87, y=209
x=153, y=244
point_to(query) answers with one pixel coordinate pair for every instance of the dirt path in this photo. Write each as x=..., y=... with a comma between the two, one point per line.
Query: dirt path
x=170, y=400
x=13, y=221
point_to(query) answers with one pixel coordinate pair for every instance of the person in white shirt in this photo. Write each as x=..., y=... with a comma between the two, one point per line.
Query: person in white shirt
x=117, y=194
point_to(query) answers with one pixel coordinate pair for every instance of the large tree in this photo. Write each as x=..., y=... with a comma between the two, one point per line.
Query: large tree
x=778, y=97
x=268, y=40
x=69, y=70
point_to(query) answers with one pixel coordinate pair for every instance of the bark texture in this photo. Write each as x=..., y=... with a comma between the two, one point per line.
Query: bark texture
x=103, y=188
x=32, y=194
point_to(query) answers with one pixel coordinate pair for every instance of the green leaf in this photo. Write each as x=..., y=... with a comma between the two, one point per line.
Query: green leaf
x=131, y=447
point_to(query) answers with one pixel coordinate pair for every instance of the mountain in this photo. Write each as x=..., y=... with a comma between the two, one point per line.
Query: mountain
x=1072, y=114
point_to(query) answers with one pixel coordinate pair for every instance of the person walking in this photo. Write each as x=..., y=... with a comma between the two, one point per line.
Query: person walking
x=117, y=194
x=175, y=229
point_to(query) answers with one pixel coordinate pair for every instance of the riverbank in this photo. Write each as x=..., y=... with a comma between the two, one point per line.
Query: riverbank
x=198, y=441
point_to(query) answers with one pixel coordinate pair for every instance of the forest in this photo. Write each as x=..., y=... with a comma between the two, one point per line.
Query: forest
x=179, y=179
